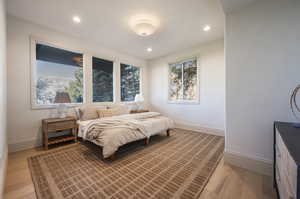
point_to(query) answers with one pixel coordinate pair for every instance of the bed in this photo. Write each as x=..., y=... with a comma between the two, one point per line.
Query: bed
x=113, y=132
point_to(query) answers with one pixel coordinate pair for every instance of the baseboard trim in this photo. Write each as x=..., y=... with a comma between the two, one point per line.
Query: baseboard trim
x=29, y=144
x=23, y=145
x=261, y=166
x=202, y=129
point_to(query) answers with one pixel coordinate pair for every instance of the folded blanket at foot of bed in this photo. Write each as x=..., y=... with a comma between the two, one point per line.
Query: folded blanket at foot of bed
x=112, y=132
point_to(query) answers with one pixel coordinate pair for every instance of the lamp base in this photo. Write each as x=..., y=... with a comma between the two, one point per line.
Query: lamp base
x=61, y=110
x=296, y=125
x=62, y=115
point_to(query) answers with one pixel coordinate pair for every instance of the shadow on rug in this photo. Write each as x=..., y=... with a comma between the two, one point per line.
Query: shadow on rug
x=176, y=166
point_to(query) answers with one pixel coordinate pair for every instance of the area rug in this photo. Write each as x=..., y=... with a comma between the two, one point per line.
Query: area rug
x=178, y=166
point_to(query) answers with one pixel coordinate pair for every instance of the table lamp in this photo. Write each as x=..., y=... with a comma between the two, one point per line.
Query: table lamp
x=62, y=99
x=139, y=99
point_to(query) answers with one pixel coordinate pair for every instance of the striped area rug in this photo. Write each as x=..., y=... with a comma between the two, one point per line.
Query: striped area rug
x=178, y=166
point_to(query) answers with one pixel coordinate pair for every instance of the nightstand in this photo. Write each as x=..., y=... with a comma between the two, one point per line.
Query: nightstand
x=56, y=125
x=138, y=111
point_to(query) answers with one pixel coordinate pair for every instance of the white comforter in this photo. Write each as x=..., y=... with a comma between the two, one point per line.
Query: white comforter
x=113, y=132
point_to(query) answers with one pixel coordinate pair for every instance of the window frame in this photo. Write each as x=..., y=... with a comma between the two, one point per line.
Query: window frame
x=182, y=101
x=33, y=79
x=120, y=82
x=114, y=78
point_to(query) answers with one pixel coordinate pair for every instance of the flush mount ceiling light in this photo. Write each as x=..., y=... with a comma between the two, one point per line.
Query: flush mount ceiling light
x=149, y=49
x=144, y=25
x=144, y=28
x=206, y=28
x=76, y=19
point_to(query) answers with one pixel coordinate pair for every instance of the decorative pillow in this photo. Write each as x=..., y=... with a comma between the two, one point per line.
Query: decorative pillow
x=124, y=109
x=107, y=112
x=90, y=112
x=113, y=111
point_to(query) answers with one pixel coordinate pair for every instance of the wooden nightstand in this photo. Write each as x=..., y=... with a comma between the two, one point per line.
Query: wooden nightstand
x=55, y=125
x=138, y=111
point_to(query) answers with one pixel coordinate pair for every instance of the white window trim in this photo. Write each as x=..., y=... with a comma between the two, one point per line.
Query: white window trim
x=33, y=41
x=141, y=80
x=197, y=101
x=87, y=75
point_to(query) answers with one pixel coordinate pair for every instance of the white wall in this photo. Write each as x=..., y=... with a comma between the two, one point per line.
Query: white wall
x=262, y=67
x=3, y=141
x=24, y=124
x=209, y=113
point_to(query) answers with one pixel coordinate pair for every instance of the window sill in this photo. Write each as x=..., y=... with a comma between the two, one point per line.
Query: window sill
x=128, y=102
x=102, y=103
x=184, y=102
x=53, y=106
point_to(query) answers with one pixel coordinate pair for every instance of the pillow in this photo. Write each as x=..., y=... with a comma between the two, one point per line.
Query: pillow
x=90, y=112
x=113, y=111
x=107, y=112
x=122, y=108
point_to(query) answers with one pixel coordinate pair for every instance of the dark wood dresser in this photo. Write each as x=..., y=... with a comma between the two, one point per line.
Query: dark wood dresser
x=286, y=160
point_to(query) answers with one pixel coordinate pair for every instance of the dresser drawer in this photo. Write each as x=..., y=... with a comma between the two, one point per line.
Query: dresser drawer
x=279, y=157
x=286, y=170
x=285, y=190
x=61, y=125
x=281, y=190
x=292, y=172
x=290, y=193
x=281, y=154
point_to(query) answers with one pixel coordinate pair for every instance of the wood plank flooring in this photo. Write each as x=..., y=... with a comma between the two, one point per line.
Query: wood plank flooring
x=228, y=182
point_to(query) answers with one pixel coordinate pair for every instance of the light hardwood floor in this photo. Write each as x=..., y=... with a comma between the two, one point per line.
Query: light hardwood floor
x=227, y=182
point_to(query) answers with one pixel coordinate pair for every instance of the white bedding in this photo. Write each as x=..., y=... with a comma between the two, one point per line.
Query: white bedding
x=113, y=132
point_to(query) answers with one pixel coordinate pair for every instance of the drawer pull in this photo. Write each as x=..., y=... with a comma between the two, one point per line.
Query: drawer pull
x=278, y=152
x=279, y=155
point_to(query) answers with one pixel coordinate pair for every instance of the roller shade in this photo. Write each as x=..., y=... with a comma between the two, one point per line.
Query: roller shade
x=57, y=55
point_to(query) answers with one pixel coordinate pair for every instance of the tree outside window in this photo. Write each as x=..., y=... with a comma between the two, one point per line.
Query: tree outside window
x=130, y=82
x=183, y=81
x=102, y=80
x=58, y=70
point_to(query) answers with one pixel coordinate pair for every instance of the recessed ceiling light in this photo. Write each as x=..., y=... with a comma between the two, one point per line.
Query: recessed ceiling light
x=206, y=28
x=76, y=19
x=149, y=49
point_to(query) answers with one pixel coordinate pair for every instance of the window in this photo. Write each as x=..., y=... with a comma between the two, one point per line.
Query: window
x=59, y=75
x=102, y=80
x=183, y=81
x=130, y=82
x=57, y=70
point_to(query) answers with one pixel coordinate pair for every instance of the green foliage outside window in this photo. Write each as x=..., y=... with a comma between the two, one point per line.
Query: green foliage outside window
x=75, y=87
x=183, y=81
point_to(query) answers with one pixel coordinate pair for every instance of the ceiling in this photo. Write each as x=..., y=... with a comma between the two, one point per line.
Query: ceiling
x=107, y=22
x=232, y=5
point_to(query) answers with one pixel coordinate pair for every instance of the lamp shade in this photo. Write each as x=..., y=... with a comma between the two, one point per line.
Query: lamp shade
x=139, y=98
x=62, y=98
